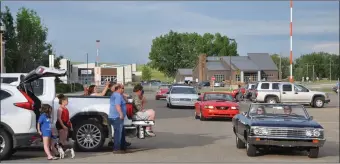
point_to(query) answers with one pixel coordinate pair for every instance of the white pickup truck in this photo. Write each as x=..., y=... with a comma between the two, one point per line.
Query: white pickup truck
x=88, y=114
x=284, y=92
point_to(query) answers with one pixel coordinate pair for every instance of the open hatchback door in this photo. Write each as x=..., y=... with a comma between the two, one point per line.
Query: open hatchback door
x=40, y=72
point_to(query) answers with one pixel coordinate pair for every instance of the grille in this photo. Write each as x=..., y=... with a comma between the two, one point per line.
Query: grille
x=222, y=107
x=185, y=99
x=285, y=132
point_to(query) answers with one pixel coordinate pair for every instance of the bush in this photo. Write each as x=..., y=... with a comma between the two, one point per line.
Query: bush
x=67, y=88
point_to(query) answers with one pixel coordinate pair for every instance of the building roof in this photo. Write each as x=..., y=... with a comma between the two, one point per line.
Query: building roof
x=185, y=71
x=215, y=65
x=242, y=63
x=263, y=60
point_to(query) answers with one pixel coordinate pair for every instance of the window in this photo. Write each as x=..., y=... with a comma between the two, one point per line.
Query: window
x=183, y=90
x=38, y=87
x=8, y=80
x=287, y=87
x=275, y=86
x=4, y=94
x=238, y=78
x=219, y=78
x=265, y=86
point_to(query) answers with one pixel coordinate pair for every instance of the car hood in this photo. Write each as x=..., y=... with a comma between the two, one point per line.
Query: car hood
x=191, y=96
x=163, y=91
x=220, y=103
x=284, y=122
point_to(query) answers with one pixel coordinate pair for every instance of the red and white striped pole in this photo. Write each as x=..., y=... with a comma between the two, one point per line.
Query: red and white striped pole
x=97, y=59
x=291, y=42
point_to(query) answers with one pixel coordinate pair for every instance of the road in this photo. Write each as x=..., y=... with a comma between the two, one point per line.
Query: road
x=182, y=139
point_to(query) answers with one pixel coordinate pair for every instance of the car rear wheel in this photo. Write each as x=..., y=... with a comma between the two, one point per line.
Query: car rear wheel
x=271, y=100
x=319, y=102
x=313, y=152
x=6, y=145
x=239, y=143
x=89, y=136
x=251, y=150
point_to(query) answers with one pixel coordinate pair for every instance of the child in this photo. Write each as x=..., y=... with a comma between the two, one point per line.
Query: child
x=44, y=129
x=63, y=123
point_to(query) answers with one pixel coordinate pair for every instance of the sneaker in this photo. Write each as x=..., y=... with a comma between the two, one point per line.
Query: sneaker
x=150, y=133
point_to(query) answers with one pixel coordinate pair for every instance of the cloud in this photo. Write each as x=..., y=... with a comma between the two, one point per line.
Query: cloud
x=327, y=47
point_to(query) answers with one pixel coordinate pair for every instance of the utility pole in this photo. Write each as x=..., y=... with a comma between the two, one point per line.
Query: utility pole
x=307, y=71
x=230, y=77
x=313, y=72
x=2, y=47
x=87, y=67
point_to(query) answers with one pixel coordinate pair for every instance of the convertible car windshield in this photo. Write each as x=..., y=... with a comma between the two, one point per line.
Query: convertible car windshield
x=278, y=110
x=218, y=96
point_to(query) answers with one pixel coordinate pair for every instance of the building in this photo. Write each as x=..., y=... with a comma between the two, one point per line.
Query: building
x=254, y=67
x=66, y=65
x=184, y=74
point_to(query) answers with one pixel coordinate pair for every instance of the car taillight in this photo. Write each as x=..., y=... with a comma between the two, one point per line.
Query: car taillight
x=26, y=105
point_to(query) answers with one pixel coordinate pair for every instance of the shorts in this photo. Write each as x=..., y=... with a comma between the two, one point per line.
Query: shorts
x=46, y=133
x=141, y=116
x=58, y=125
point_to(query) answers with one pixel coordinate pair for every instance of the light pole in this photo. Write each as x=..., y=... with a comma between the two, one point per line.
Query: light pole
x=230, y=76
x=2, y=47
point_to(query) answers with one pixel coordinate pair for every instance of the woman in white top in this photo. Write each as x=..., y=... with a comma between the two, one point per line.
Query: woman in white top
x=92, y=90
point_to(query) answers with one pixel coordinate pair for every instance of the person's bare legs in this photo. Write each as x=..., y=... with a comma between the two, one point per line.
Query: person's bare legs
x=63, y=136
x=46, y=142
x=151, y=113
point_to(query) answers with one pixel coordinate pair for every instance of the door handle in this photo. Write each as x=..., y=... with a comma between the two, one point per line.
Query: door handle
x=296, y=93
x=283, y=92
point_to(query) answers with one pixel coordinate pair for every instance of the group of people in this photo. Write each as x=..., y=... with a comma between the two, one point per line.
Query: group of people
x=117, y=113
x=63, y=125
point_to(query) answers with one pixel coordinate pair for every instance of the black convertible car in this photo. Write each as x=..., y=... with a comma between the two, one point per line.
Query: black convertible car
x=266, y=126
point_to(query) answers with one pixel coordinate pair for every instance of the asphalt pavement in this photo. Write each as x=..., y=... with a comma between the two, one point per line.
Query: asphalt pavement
x=183, y=139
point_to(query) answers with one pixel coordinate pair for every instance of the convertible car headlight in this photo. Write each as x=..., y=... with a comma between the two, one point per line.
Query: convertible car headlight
x=209, y=107
x=316, y=133
x=313, y=133
x=260, y=131
x=309, y=133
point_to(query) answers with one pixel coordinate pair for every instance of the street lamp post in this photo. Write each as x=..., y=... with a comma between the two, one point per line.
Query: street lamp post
x=230, y=76
x=2, y=47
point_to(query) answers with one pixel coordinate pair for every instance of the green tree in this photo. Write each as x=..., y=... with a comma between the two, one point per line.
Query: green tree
x=146, y=73
x=284, y=64
x=180, y=50
x=10, y=40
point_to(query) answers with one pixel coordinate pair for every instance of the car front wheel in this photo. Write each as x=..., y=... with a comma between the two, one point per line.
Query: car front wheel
x=89, y=136
x=313, y=152
x=318, y=102
x=239, y=143
x=6, y=145
x=251, y=150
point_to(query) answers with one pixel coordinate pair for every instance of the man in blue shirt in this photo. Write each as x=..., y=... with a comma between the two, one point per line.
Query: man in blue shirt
x=116, y=116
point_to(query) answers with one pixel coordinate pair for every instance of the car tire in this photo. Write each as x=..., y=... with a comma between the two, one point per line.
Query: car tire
x=202, y=118
x=239, y=143
x=157, y=98
x=251, y=150
x=313, y=152
x=78, y=130
x=318, y=102
x=7, y=149
x=271, y=100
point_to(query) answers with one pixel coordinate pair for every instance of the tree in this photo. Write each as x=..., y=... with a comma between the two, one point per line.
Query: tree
x=284, y=64
x=146, y=73
x=10, y=40
x=174, y=50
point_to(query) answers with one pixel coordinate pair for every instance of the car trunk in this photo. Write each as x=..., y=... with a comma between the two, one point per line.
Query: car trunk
x=26, y=84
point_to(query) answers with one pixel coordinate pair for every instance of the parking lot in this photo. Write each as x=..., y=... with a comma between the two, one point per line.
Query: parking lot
x=182, y=139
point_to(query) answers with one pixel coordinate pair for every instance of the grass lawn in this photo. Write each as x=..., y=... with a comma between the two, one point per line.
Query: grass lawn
x=156, y=75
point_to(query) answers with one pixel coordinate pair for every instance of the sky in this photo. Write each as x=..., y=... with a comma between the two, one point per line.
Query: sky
x=126, y=29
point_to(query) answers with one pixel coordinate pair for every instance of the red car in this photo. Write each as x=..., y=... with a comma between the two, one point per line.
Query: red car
x=161, y=93
x=216, y=105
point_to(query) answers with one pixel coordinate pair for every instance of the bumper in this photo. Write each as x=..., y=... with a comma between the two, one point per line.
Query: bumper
x=219, y=113
x=286, y=142
x=24, y=139
x=183, y=103
x=160, y=96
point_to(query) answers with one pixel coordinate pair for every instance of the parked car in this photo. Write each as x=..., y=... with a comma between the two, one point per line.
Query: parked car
x=181, y=96
x=18, y=102
x=218, y=84
x=265, y=126
x=88, y=114
x=336, y=88
x=291, y=93
x=161, y=93
x=204, y=84
x=216, y=105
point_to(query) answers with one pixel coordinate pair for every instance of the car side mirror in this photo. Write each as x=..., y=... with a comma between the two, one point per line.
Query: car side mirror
x=311, y=117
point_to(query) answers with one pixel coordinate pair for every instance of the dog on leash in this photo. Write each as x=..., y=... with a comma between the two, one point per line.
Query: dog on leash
x=60, y=148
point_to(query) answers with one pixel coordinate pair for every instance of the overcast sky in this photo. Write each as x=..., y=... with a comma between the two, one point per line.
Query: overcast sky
x=126, y=29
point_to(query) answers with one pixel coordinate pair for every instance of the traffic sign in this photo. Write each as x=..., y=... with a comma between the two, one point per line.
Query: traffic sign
x=213, y=78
